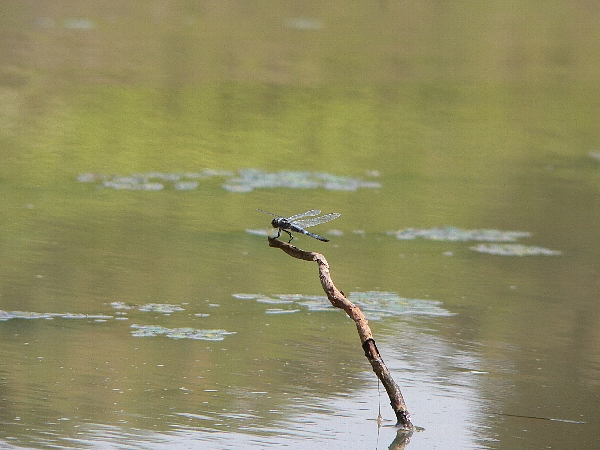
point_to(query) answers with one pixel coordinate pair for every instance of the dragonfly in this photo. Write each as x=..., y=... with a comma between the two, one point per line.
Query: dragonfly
x=298, y=225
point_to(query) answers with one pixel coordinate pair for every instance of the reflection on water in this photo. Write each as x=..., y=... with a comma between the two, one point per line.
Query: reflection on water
x=152, y=405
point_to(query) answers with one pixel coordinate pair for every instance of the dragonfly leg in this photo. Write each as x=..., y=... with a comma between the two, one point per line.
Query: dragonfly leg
x=291, y=237
x=278, y=233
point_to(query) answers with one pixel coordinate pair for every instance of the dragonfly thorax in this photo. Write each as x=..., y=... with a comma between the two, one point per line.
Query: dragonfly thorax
x=279, y=222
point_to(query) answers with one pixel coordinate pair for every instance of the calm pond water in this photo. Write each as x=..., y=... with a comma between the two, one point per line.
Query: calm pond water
x=140, y=304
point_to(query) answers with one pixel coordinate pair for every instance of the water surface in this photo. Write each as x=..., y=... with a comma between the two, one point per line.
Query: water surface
x=140, y=304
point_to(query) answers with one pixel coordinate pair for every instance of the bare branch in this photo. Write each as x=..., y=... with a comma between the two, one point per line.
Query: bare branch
x=339, y=300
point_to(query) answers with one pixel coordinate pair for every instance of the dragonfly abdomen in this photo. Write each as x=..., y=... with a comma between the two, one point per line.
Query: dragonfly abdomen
x=298, y=229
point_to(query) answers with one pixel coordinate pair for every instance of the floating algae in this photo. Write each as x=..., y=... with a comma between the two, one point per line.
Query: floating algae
x=514, y=250
x=28, y=315
x=454, y=234
x=179, y=333
x=163, y=308
x=376, y=305
x=245, y=180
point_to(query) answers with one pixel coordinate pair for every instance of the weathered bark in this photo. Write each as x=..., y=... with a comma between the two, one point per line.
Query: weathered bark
x=339, y=300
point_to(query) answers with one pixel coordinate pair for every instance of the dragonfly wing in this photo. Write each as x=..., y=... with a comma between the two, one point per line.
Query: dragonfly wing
x=276, y=215
x=316, y=220
x=312, y=212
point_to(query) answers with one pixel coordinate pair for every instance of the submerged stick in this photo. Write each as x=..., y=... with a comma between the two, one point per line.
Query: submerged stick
x=339, y=300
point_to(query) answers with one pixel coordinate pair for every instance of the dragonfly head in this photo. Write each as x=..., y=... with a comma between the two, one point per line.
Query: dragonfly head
x=277, y=222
